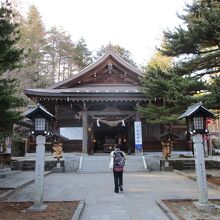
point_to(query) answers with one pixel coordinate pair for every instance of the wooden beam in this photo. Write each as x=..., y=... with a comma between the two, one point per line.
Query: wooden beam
x=110, y=112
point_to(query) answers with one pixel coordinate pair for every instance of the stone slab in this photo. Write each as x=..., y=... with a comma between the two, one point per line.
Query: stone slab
x=167, y=168
x=58, y=170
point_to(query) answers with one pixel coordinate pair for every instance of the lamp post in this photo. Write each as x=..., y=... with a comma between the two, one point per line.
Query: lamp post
x=41, y=120
x=196, y=124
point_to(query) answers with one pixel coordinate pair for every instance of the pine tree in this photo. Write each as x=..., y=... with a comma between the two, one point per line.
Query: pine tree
x=83, y=57
x=197, y=42
x=170, y=93
x=10, y=56
x=212, y=98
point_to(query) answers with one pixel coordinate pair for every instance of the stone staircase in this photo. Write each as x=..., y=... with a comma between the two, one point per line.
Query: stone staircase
x=134, y=164
x=98, y=164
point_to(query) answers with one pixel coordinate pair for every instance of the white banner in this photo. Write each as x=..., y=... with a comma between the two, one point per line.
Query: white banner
x=138, y=135
x=72, y=133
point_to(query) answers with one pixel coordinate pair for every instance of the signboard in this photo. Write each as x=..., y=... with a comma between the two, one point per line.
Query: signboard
x=138, y=135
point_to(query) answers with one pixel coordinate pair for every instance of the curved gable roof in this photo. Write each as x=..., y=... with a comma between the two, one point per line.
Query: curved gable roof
x=109, y=53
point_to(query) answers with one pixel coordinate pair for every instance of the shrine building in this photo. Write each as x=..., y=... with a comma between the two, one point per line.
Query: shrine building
x=97, y=107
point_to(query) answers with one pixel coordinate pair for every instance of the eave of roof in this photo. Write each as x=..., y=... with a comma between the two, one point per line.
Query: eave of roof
x=84, y=94
x=89, y=89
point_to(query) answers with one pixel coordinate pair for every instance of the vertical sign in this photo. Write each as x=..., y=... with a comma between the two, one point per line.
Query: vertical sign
x=138, y=135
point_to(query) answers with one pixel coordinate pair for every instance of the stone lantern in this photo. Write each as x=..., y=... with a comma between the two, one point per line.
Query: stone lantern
x=196, y=116
x=41, y=119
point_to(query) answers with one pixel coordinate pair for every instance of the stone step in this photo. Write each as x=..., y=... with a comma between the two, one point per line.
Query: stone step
x=107, y=164
x=93, y=171
x=93, y=164
x=110, y=171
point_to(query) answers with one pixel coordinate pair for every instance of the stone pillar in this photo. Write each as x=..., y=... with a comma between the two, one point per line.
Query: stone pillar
x=39, y=174
x=200, y=171
x=85, y=130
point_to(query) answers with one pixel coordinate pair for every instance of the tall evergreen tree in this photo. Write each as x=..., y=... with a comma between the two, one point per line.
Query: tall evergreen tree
x=83, y=57
x=196, y=48
x=170, y=94
x=33, y=39
x=212, y=98
x=10, y=57
x=197, y=42
x=60, y=55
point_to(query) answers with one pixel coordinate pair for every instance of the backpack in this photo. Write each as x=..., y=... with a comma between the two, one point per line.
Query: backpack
x=118, y=161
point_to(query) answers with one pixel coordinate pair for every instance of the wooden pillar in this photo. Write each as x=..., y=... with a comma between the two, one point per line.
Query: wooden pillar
x=90, y=137
x=56, y=114
x=85, y=129
x=137, y=114
x=25, y=146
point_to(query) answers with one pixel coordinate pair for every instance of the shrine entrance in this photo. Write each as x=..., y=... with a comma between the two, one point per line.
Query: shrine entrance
x=110, y=124
x=105, y=138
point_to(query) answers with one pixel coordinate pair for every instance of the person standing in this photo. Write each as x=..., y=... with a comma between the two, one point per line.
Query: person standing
x=118, y=160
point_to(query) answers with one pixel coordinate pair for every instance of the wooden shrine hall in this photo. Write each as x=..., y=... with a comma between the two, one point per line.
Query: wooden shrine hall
x=96, y=108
